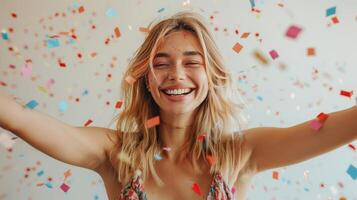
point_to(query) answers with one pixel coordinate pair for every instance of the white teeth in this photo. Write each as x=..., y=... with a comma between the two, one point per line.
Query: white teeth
x=177, y=91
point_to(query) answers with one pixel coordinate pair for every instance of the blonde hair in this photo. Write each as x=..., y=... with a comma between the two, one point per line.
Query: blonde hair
x=218, y=115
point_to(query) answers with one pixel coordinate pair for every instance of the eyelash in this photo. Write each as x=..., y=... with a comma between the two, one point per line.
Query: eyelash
x=158, y=65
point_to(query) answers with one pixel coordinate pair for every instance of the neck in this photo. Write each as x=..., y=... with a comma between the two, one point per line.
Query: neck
x=174, y=131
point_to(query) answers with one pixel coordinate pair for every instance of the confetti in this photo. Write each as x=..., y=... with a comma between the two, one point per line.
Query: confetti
x=118, y=104
x=275, y=175
x=310, y=51
x=130, y=80
x=144, y=30
x=63, y=106
x=196, y=188
x=201, y=137
x=32, y=104
x=64, y=187
x=161, y=10
x=26, y=70
x=211, y=160
x=352, y=147
x=4, y=35
x=352, y=171
x=322, y=117
x=40, y=173
x=117, y=32
x=88, y=122
x=67, y=174
x=259, y=56
x=153, y=122
x=81, y=9
x=111, y=12
x=346, y=93
x=273, y=54
x=166, y=149
x=157, y=157
x=293, y=32
x=245, y=35
x=335, y=20
x=49, y=185
x=330, y=11
x=315, y=124
x=52, y=43
x=237, y=47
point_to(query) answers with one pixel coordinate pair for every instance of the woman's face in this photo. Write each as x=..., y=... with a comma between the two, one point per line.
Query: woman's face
x=181, y=84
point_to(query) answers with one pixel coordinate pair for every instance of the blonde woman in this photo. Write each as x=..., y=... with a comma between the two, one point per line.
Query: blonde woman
x=179, y=134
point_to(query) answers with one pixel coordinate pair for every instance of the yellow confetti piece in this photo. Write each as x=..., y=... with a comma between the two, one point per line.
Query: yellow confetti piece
x=259, y=56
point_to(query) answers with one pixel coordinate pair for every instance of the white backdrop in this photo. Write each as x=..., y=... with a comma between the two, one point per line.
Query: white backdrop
x=290, y=89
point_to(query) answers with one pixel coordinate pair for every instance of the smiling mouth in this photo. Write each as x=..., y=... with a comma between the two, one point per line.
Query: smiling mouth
x=178, y=92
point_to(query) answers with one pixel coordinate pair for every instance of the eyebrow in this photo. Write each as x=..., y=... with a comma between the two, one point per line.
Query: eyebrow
x=186, y=53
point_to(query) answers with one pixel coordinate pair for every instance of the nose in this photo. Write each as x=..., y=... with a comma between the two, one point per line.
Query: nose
x=177, y=72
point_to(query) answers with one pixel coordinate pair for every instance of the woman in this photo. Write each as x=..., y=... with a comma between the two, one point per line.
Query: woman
x=179, y=135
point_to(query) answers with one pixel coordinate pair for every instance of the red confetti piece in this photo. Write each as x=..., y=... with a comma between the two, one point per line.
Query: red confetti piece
x=153, y=122
x=237, y=47
x=200, y=137
x=14, y=15
x=3, y=84
x=117, y=32
x=118, y=104
x=335, y=20
x=322, y=117
x=196, y=188
x=275, y=175
x=88, y=122
x=352, y=147
x=346, y=93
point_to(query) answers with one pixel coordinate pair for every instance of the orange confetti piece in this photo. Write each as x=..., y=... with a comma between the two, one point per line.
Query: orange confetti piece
x=310, y=51
x=245, y=35
x=67, y=174
x=237, y=47
x=88, y=122
x=153, y=122
x=117, y=32
x=276, y=175
x=94, y=54
x=118, y=104
x=211, y=159
x=144, y=30
x=259, y=56
x=346, y=93
x=131, y=80
x=40, y=184
x=200, y=137
x=196, y=188
x=81, y=9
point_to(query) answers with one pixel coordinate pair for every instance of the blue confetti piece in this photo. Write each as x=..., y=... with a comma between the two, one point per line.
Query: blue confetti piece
x=111, y=12
x=49, y=185
x=63, y=106
x=260, y=98
x=5, y=36
x=52, y=43
x=352, y=171
x=40, y=173
x=96, y=197
x=85, y=93
x=252, y=3
x=331, y=11
x=161, y=9
x=157, y=157
x=32, y=104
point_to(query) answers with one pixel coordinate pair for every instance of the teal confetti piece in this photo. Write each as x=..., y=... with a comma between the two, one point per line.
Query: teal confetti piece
x=49, y=185
x=4, y=35
x=252, y=3
x=63, y=106
x=260, y=98
x=52, y=43
x=85, y=93
x=330, y=11
x=32, y=104
x=111, y=12
x=96, y=197
x=352, y=171
x=161, y=10
x=40, y=173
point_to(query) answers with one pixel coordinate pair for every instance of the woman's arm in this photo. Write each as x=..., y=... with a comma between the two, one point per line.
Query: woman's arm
x=81, y=146
x=276, y=147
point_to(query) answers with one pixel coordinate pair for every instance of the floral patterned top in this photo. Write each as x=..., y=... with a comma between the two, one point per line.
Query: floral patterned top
x=134, y=189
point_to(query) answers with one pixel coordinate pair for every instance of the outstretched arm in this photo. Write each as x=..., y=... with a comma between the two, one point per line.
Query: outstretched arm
x=81, y=146
x=276, y=147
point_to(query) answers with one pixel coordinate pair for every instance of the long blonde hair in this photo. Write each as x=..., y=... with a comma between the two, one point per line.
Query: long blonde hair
x=216, y=117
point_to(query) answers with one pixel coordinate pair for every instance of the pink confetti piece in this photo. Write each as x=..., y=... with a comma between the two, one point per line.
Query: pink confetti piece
x=315, y=124
x=166, y=149
x=273, y=54
x=26, y=70
x=64, y=187
x=88, y=122
x=293, y=32
x=196, y=188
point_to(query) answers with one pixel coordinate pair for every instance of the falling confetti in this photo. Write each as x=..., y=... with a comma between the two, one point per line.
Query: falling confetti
x=153, y=122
